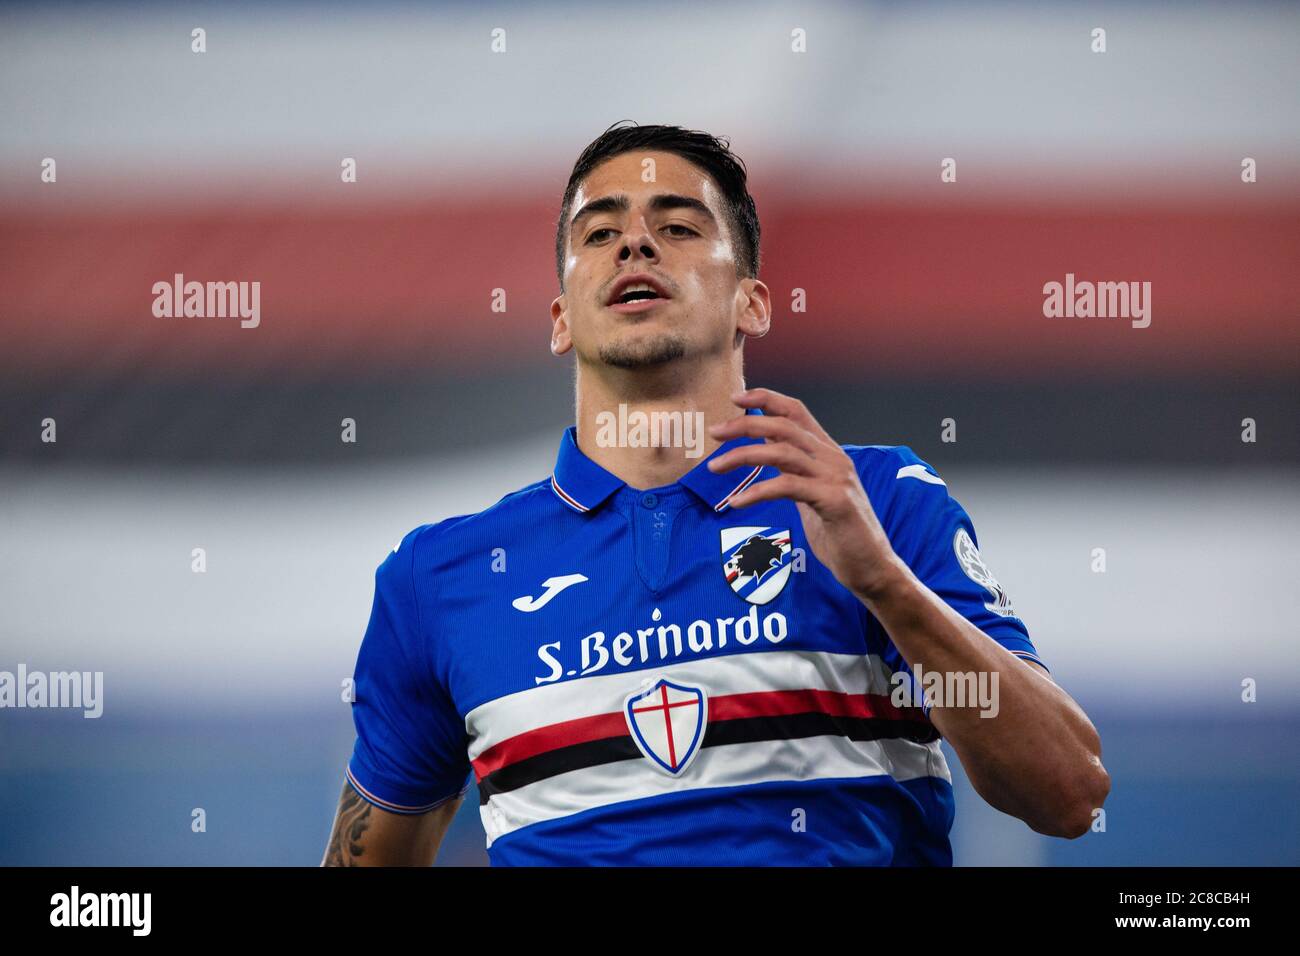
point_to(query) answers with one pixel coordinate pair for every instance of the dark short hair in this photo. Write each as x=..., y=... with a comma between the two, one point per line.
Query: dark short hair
x=711, y=153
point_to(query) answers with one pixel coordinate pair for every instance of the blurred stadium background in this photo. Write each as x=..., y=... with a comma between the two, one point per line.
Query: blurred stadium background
x=924, y=302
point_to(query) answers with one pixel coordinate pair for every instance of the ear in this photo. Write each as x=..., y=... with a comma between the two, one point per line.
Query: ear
x=754, y=299
x=561, y=341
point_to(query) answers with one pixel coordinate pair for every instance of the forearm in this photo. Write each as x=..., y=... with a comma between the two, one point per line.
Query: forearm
x=1037, y=756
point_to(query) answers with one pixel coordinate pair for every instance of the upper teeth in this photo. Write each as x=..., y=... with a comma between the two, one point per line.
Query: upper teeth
x=638, y=287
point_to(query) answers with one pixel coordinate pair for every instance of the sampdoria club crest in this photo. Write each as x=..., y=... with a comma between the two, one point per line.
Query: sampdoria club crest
x=756, y=561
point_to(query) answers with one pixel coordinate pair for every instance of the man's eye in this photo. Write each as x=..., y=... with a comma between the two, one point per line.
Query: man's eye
x=685, y=230
x=596, y=233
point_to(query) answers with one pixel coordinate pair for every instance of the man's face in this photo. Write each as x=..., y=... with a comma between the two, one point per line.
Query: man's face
x=669, y=234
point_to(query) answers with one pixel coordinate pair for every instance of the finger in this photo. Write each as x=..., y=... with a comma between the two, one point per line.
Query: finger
x=783, y=457
x=770, y=428
x=777, y=403
x=793, y=487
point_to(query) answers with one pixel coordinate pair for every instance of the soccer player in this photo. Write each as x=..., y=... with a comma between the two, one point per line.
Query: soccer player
x=712, y=646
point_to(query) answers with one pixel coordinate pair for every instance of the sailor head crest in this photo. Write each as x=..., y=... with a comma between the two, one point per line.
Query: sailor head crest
x=756, y=561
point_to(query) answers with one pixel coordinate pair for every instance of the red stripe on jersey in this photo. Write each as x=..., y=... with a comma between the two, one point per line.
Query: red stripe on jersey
x=772, y=703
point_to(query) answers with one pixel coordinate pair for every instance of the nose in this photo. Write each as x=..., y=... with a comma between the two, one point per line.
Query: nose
x=637, y=242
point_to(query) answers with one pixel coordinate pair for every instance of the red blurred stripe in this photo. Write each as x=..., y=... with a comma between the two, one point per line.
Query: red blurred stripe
x=908, y=287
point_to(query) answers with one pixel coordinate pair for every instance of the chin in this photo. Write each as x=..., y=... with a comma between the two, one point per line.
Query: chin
x=642, y=351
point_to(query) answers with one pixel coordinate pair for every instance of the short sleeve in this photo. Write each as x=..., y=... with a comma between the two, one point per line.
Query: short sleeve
x=935, y=536
x=411, y=749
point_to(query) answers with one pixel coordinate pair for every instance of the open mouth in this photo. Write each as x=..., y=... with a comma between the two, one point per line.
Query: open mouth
x=636, y=292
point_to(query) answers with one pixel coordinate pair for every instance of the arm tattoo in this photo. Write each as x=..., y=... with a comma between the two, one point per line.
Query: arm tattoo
x=349, y=827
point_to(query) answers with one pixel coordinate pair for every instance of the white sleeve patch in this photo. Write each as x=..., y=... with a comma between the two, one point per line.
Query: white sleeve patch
x=973, y=566
x=918, y=471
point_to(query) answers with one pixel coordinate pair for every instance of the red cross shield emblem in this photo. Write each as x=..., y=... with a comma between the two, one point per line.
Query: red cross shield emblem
x=667, y=721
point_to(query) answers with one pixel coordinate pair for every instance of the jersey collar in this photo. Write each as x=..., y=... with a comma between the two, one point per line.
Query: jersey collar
x=584, y=485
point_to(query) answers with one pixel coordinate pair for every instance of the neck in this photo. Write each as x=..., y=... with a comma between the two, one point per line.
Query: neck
x=674, y=406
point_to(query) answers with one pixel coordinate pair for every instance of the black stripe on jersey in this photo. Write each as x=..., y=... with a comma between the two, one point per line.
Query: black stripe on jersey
x=741, y=730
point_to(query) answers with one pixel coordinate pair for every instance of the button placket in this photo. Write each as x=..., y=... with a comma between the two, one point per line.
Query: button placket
x=653, y=523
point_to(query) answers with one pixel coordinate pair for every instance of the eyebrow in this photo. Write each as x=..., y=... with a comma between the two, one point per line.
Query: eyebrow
x=659, y=202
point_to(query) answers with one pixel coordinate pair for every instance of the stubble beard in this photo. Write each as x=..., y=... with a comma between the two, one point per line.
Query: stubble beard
x=643, y=353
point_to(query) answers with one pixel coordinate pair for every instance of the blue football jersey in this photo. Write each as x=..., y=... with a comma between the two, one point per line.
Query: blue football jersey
x=650, y=677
